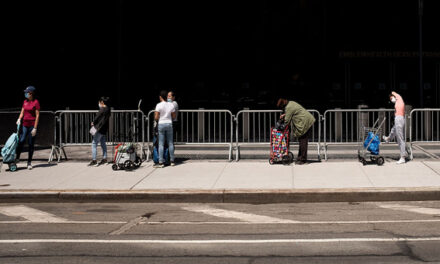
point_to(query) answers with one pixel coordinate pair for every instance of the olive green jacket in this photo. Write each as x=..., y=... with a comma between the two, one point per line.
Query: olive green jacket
x=299, y=119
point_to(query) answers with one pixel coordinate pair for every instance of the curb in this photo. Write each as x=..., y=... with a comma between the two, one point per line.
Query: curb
x=226, y=196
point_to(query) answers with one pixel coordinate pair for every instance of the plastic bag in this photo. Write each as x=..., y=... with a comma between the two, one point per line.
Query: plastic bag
x=374, y=145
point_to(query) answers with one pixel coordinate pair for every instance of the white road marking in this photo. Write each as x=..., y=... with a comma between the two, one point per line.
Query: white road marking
x=410, y=208
x=246, y=217
x=220, y=241
x=30, y=214
x=237, y=223
x=299, y=222
x=67, y=222
x=128, y=225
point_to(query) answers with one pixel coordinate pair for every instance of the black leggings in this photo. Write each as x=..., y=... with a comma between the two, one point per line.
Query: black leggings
x=303, y=145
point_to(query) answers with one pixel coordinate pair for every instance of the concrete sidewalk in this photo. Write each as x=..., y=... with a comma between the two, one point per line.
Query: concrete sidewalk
x=219, y=181
x=252, y=152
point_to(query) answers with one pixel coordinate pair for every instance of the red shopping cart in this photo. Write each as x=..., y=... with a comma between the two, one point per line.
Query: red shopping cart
x=279, y=145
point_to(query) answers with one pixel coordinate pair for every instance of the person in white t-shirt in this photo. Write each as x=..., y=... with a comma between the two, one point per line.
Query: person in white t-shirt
x=164, y=114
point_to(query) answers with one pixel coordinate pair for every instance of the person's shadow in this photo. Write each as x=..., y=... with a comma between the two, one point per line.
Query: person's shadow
x=45, y=165
x=41, y=165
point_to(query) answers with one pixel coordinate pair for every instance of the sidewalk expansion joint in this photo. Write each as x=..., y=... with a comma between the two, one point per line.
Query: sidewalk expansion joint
x=430, y=168
x=427, y=153
x=366, y=175
x=219, y=175
x=148, y=174
x=293, y=176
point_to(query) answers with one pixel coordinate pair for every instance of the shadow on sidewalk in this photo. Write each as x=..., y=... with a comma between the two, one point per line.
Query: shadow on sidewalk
x=45, y=165
x=314, y=161
x=42, y=165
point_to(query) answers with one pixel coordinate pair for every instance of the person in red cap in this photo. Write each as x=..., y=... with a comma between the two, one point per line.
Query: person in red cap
x=29, y=118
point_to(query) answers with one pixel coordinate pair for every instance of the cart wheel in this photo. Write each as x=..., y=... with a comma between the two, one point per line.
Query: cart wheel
x=285, y=160
x=128, y=165
x=138, y=162
x=364, y=161
x=12, y=167
x=271, y=162
x=291, y=157
x=380, y=161
x=115, y=167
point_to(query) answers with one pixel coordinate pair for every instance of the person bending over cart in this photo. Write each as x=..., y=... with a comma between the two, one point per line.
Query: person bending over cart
x=301, y=122
x=398, y=130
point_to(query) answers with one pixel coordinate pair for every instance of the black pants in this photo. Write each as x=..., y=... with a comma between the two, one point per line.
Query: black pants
x=303, y=145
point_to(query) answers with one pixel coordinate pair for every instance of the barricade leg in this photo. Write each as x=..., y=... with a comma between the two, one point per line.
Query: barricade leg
x=230, y=152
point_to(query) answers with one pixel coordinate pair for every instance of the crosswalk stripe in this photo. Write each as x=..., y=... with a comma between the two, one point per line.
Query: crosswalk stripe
x=69, y=222
x=410, y=208
x=246, y=217
x=30, y=214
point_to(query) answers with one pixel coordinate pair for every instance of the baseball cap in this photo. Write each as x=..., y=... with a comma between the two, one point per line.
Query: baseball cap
x=29, y=89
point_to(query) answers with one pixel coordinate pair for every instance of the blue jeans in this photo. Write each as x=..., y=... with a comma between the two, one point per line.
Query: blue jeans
x=99, y=138
x=26, y=133
x=166, y=130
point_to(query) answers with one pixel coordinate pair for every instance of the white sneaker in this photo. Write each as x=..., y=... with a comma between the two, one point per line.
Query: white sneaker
x=29, y=166
x=401, y=161
x=386, y=139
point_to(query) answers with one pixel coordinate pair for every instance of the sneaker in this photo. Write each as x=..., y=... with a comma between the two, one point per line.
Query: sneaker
x=299, y=162
x=92, y=163
x=386, y=139
x=401, y=161
x=172, y=164
x=158, y=165
x=29, y=166
x=102, y=162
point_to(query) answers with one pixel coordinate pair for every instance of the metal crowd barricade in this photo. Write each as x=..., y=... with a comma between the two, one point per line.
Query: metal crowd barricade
x=424, y=126
x=73, y=128
x=253, y=127
x=45, y=131
x=200, y=127
x=343, y=126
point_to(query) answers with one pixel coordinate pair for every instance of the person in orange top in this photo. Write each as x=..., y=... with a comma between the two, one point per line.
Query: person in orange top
x=398, y=130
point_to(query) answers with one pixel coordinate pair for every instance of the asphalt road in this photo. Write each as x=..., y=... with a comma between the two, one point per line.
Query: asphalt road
x=392, y=232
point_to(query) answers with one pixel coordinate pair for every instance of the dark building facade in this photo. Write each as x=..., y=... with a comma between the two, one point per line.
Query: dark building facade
x=221, y=54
